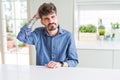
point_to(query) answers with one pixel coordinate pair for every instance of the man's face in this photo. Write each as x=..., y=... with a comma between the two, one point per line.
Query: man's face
x=50, y=21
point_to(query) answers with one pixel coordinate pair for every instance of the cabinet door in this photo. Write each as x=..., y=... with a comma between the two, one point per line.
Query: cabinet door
x=116, y=63
x=95, y=58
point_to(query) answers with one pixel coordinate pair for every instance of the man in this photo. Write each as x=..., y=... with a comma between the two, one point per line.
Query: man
x=55, y=46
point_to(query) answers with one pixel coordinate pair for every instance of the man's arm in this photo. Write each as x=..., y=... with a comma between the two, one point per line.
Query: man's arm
x=25, y=33
x=72, y=60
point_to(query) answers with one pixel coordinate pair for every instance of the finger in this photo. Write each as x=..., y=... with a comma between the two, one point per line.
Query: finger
x=36, y=16
x=46, y=65
x=52, y=64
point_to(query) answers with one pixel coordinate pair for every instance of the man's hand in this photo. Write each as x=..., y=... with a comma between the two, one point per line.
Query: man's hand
x=53, y=64
x=36, y=16
x=33, y=20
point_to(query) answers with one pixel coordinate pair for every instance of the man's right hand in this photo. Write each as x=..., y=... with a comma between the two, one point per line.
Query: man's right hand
x=36, y=16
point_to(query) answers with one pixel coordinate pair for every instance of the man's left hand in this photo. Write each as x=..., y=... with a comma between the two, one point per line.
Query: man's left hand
x=53, y=64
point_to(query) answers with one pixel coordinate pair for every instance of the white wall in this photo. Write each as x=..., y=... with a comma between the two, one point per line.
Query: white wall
x=65, y=11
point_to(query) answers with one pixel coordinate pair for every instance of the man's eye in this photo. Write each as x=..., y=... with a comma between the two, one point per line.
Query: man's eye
x=53, y=16
x=46, y=19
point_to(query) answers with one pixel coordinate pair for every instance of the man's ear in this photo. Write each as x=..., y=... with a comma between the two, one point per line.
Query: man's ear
x=42, y=22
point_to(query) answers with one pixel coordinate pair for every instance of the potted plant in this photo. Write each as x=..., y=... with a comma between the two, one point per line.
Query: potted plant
x=101, y=31
x=87, y=32
x=115, y=25
x=10, y=40
x=116, y=30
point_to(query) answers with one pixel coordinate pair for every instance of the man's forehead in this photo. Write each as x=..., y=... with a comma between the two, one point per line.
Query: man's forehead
x=51, y=14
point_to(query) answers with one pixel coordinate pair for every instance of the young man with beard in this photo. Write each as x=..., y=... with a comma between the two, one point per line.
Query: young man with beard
x=55, y=47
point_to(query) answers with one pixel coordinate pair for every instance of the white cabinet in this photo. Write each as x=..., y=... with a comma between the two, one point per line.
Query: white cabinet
x=99, y=58
x=95, y=58
x=116, y=62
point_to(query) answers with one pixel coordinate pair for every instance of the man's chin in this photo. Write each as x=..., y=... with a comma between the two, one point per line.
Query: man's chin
x=53, y=29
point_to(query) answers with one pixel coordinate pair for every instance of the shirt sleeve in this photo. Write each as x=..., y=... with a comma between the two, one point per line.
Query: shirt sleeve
x=72, y=54
x=25, y=35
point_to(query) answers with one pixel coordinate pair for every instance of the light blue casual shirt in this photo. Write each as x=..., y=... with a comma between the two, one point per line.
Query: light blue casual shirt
x=59, y=48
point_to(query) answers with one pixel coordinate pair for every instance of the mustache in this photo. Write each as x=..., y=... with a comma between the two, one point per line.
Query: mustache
x=51, y=23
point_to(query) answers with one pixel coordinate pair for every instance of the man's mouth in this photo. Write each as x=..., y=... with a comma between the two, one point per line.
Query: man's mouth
x=51, y=24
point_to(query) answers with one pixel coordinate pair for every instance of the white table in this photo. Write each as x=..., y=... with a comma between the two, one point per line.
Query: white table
x=15, y=72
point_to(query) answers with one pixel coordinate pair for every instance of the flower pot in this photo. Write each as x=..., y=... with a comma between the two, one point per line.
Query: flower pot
x=117, y=34
x=10, y=44
x=88, y=36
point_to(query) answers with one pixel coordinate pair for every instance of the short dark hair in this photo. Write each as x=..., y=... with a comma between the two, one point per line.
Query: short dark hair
x=46, y=8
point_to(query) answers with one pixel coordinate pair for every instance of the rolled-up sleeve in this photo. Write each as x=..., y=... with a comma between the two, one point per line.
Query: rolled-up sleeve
x=25, y=35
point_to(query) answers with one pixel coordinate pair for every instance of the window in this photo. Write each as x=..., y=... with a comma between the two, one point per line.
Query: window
x=89, y=12
x=93, y=16
x=13, y=17
x=0, y=56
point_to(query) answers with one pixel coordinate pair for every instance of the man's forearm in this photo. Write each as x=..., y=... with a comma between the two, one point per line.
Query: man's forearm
x=72, y=63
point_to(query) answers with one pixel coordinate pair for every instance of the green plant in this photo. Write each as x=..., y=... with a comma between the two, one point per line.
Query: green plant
x=10, y=36
x=101, y=29
x=101, y=32
x=113, y=35
x=90, y=28
x=23, y=22
x=115, y=25
x=20, y=44
x=108, y=36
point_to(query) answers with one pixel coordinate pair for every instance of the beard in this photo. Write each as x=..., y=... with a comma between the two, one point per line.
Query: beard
x=52, y=26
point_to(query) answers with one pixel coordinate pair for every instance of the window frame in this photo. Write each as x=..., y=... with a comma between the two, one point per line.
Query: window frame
x=91, y=5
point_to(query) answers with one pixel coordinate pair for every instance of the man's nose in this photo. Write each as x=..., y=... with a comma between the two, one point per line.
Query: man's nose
x=50, y=20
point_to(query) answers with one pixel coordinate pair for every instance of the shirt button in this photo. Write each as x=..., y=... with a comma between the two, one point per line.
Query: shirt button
x=53, y=47
x=52, y=56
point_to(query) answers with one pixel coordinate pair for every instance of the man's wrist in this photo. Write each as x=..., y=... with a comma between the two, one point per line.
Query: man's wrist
x=31, y=22
x=62, y=64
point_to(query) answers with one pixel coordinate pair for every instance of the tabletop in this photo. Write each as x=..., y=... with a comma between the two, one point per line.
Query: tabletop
x=20, y=72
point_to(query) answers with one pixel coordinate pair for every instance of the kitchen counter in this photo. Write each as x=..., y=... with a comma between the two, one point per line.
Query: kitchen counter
x=110, y=45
